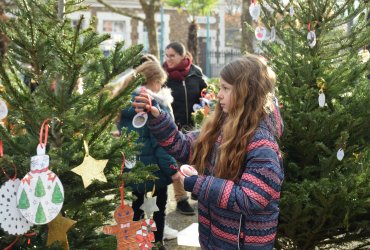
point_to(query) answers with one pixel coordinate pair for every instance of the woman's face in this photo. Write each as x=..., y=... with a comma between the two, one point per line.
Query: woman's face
x=173, y=58
x=224, y=95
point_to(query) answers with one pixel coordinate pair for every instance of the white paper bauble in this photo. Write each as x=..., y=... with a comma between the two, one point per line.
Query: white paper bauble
x=11, y=219
x=254, y=11
x=311, y=39
x=322, y=99
x=3, y=109
x=285, y=2
x=130, y=164
x=139, y=119
x=291, y=10
x=272, y=34
x=340, y=154
x=260, y=33
x=40, y=195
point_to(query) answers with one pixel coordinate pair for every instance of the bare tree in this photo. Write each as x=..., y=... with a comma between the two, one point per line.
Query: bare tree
x=247, y=35
x=150, y=8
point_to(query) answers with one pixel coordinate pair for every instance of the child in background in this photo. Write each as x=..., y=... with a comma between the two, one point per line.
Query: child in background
x=151, y=152
x=237, y=157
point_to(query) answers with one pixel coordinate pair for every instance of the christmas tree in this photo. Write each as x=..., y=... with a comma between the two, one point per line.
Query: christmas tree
x=319, y=56
x=47, y=61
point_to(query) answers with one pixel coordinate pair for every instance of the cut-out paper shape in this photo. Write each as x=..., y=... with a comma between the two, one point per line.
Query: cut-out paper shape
x=145, y=236
x=125, y=229
x=291, y=10
x=311, y=39
x=3, y=109
x=139, y=119
x=273, y=34
x=340, y=154
x=91, y=169
x=11, y=219
x=149, y=206
x=260, y=33
x=40, y=194
x=57, y=230
x=321, y=99
x=254, y=11
x=188, y=170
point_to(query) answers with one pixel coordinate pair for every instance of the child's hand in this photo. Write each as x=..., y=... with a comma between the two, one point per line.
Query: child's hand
x=142, y=103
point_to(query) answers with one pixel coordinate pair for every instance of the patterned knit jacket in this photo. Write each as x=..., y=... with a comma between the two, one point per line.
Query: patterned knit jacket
x=233, y=215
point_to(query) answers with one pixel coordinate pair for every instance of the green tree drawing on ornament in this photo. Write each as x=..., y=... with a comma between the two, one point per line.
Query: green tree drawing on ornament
x=40, y=215
x=39, y=190
x=57, y=196
x=23, y=201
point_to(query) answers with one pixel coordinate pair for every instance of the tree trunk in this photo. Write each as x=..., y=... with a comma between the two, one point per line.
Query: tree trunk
x=193, y=41
x=151, y=26
x=247, y=36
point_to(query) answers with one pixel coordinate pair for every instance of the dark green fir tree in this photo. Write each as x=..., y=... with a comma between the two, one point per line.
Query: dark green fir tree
x=325, y=98
x=46, y=60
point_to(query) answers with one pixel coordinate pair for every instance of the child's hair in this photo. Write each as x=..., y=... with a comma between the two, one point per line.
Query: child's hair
x=146, y=58
x=250, y=100
x=152, y=71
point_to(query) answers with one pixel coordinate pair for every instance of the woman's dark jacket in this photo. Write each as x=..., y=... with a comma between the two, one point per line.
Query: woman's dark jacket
x=151, y=152
x=186, y=93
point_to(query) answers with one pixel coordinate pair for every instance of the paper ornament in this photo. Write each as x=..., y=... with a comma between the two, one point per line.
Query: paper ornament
x=254, y=11
x=291, y=10
x=311, y=38
x=340, y=154
x=57, y=230
x=3, y=109
x=91, y=169
x=125, y=230
x=149, y=206
x=188, y=170
x=139, y=119
x=321, y=99
x=11, y=219
x=130, y=164
x=145, y=236
x=273, y=34
x=285, y=2
x=40, y=195
x=260, y=33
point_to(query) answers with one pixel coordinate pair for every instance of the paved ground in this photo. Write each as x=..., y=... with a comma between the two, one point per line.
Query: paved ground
x=179, y=221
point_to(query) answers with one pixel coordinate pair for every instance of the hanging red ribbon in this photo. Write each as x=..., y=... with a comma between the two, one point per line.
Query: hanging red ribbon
x=1, y=149
x=1, y=156
x=17, y=238
x=122, y=188
x=45, y=127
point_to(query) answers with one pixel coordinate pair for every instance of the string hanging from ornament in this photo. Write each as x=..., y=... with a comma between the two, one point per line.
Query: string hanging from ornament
x=11, y=220
x=40, y=194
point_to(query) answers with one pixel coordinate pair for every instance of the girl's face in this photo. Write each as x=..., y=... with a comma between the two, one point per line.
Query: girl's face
x=173, y=58
x=224, y=96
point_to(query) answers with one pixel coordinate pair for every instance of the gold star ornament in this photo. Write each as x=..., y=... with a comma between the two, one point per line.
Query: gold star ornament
x=57, y=230
x=91, y=169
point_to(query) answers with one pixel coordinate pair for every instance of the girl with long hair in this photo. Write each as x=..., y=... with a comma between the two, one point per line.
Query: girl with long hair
x=237, y=157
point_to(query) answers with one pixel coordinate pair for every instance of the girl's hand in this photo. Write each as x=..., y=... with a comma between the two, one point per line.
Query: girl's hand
x=142, y=103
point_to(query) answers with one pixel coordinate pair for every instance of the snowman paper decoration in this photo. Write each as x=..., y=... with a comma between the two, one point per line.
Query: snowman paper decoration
x=40, y=195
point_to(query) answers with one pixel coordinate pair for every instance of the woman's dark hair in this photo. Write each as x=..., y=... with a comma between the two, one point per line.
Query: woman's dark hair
x=178, y=47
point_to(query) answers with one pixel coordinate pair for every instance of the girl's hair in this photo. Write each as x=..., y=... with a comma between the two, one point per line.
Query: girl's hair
x=152, y=71
x=251, y=98
x=146, y=58
x=178, y=47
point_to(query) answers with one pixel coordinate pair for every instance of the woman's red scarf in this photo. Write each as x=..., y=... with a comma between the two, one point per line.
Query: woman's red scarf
x=180, y=71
